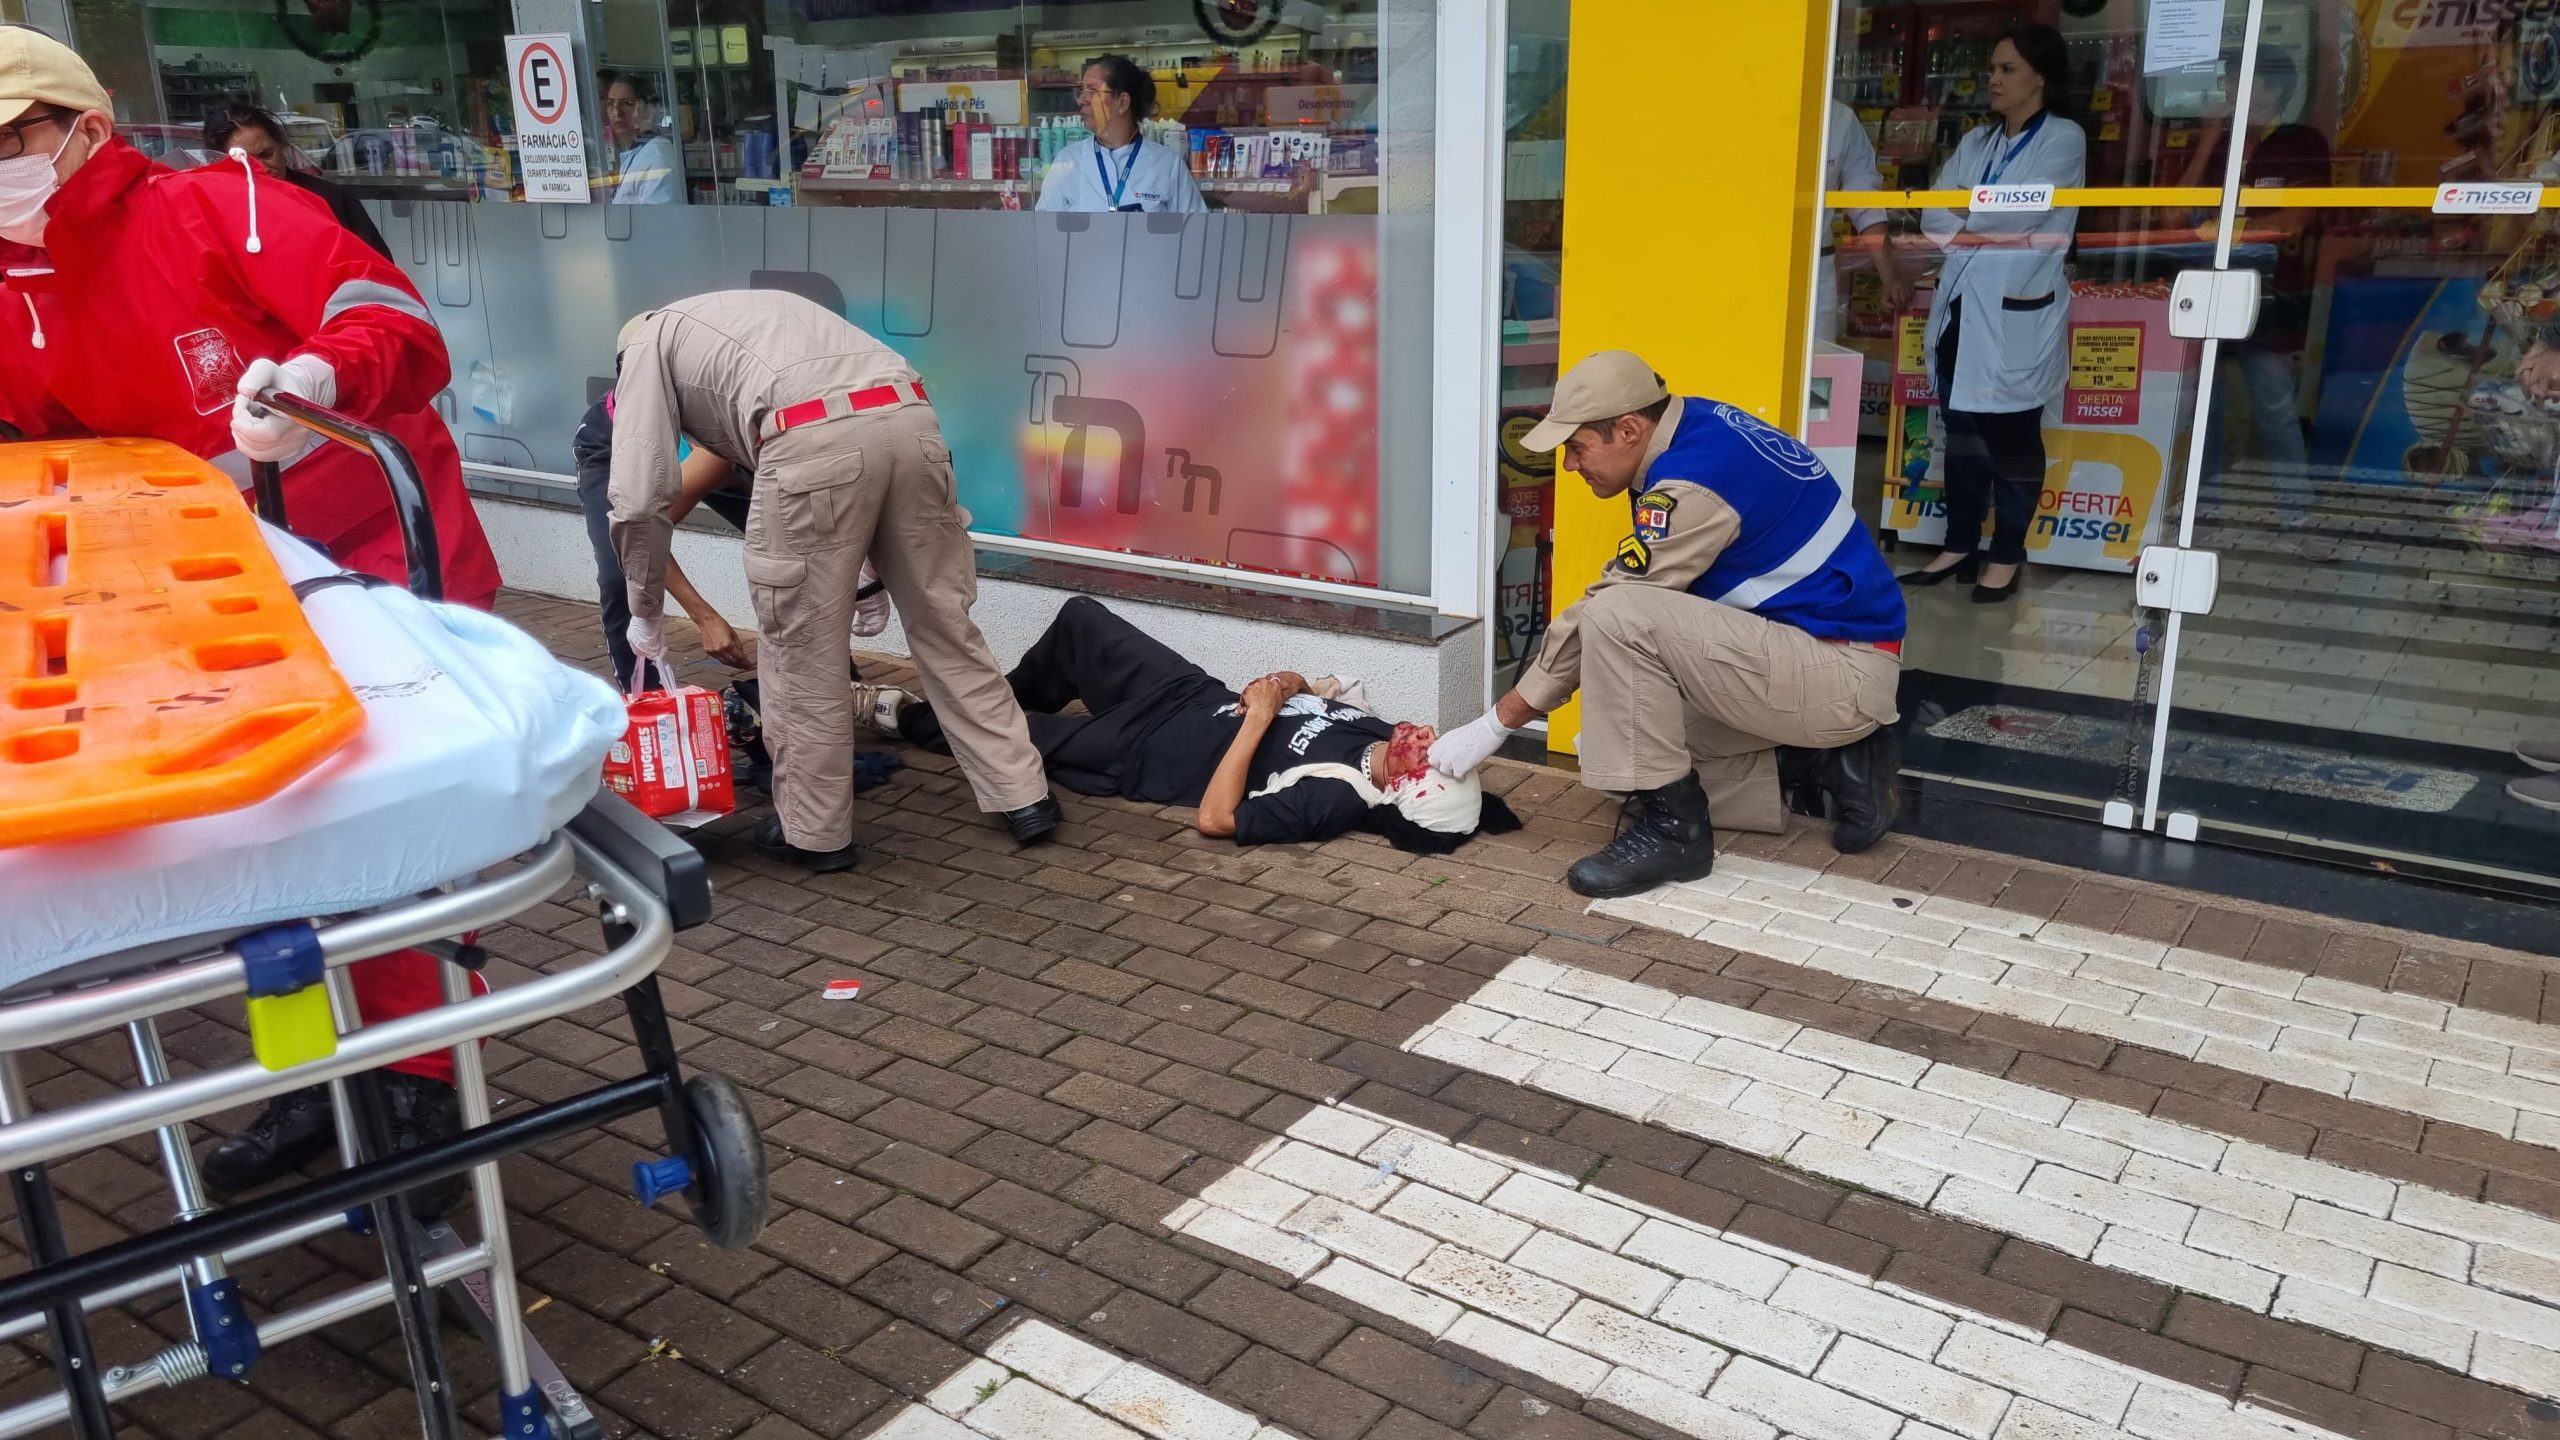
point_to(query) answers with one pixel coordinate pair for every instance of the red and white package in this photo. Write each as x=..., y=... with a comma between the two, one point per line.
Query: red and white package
x=673, y=758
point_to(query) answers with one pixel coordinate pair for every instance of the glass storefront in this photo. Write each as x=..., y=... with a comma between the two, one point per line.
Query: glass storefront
x=2371, y=467
x=1245, y=387
x=1532, y=284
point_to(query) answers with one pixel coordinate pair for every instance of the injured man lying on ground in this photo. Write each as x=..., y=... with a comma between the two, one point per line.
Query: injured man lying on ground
x=1283, y=760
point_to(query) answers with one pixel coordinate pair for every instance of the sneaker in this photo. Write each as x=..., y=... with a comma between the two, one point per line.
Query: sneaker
x=2540, y=791
x=295, y=1129
x=876, y=707
x=2540, y=754
x=1671, y=838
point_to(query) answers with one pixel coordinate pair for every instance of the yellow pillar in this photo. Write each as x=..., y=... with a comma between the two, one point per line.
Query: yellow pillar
x=1693, y=137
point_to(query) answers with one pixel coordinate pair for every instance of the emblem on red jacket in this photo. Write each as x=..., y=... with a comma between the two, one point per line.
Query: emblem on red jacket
x=212, y=368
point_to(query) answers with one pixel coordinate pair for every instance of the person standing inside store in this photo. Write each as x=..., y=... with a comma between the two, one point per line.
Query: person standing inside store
x=1849, y=163
x=257, y=133
x=2268, y=364
x=150, y=302
x=850, y=467
x=1746, y=626
x=1996, y=333
x=645, y=171
x=1117, y=168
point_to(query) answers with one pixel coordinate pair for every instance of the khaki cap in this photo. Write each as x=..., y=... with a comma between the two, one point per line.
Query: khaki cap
x=36, y=69
x=1602, y=387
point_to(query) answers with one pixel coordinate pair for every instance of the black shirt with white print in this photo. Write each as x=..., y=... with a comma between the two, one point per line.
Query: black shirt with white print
x=1288, y=797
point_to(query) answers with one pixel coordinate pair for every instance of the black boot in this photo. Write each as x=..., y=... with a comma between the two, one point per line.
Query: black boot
x=1863, y=780
x=1670, y=838
x=294, y=1130
x=1036, y=821
x=1801, y=774
x=770, y=840
x=424, y=1111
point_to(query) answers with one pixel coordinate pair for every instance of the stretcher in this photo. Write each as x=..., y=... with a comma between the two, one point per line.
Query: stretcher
x=461, y=792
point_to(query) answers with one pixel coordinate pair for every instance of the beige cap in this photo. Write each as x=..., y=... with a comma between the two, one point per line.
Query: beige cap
x=36, y=69
x=1603, y=387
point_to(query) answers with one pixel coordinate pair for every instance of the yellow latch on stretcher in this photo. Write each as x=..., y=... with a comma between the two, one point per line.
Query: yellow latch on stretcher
x=289, y=1030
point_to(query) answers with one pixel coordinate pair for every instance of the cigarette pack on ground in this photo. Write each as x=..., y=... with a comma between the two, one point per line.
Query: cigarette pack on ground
x=673, y=758
x=843, y=990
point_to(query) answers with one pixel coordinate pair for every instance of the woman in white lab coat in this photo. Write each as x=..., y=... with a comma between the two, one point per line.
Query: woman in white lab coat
x=1996, y=332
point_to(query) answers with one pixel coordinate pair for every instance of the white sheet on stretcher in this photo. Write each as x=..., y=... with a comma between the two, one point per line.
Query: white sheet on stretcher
x=477, y=744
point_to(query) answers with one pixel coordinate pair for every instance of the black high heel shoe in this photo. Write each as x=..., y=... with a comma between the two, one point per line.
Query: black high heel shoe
x=1967, y=570
x=1994, y=594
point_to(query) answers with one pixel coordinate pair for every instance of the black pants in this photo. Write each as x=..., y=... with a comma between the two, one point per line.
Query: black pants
x=1994, y=461
x=613, y=596
x=1130, y=683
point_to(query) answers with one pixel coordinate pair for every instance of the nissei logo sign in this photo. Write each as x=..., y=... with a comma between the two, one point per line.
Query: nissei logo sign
x=1996, y=198
x=2504, y=198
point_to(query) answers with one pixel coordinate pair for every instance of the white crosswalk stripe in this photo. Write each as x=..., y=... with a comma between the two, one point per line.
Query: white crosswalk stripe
x=2263, y=1229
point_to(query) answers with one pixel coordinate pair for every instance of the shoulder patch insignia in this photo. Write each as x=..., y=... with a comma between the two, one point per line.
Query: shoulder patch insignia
x=1633, y=556
x=1653, y=514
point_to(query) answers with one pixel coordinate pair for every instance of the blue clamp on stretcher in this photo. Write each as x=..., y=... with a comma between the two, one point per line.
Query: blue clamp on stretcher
x=282, y=959
x=222, y=1327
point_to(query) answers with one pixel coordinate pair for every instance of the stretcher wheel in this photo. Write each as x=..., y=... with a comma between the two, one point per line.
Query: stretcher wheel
x=729, y=1195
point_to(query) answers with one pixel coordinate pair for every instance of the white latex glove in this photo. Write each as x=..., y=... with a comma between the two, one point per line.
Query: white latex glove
x=1462, y=750
x=870, y=616
x=270, y=436
x=648, y=637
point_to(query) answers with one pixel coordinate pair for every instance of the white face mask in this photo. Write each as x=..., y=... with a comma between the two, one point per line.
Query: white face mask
x=27, y=183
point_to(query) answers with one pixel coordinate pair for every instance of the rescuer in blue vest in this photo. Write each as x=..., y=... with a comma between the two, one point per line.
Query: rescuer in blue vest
x=1746, y=624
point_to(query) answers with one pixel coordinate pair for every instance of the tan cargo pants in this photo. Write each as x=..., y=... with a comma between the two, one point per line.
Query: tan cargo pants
x=874, y=484
x=1673, y=682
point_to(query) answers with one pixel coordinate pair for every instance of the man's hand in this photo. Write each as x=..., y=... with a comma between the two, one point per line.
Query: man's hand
x=1291, y=683
x=722, y=642
x=1463, y=750
x=1263, y=698
x=267, y=434
x=648, y=637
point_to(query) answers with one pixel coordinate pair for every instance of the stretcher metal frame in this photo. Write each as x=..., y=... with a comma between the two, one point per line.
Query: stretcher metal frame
x=646, y=885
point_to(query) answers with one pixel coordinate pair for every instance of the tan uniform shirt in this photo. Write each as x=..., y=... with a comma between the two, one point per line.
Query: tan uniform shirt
x=1677, y=530
x=716, y=367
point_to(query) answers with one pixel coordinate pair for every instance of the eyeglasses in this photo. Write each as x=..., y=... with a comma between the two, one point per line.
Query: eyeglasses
x=13, y=137
x=1093, y=92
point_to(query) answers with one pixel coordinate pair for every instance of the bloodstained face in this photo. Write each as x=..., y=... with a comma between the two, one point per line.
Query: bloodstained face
x=1408, y=752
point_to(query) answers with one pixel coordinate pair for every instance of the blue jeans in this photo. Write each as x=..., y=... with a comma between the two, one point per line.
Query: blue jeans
x=613, y=597
x=2268, y=379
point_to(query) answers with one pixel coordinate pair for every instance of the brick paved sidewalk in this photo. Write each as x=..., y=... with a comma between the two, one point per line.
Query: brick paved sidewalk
x=1145, y=1133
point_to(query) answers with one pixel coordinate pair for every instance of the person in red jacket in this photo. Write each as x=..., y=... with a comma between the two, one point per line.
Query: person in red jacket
x=144, y=301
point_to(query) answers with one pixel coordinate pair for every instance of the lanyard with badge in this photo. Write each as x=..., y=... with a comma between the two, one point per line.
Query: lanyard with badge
x=2000, y=163
x=1991, y=174
x=1102, y=167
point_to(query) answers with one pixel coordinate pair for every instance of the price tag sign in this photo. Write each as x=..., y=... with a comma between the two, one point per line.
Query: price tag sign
x=2106, y=375
x=2027, y=199
x=2516, y=197
x=1911, y=382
